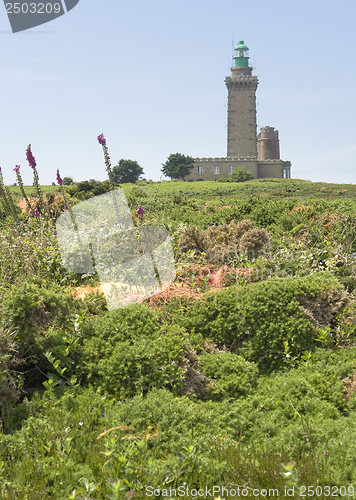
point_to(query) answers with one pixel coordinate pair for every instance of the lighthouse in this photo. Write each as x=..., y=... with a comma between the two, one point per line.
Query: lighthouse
x=241, y=107
x=259, y=155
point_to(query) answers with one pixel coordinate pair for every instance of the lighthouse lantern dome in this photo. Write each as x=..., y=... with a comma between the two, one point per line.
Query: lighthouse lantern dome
x=241, y=55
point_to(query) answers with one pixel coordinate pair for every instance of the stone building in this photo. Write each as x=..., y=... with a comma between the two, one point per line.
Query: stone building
x=258, y=154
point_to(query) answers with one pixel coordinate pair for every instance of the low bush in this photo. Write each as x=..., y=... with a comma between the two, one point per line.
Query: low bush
x=40, y=317
x=224, y=242
x=139, y=366
x=232, y=375
x=283, y=310
x=260, y=318
x=240, y=174
x=130, y=351
x=87, y=189
x=122, y=325
x=32, y=307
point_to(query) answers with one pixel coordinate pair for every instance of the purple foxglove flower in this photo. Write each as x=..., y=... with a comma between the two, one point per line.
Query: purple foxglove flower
x=17, y=168
x=36, y=212
x=59, y=179
x=65, y=207
x=101, y=139
x=30, y=158
x=140, y=210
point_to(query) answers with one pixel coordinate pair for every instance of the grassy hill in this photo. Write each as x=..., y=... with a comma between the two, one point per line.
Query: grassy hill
x=273, y=188
x=240, y=374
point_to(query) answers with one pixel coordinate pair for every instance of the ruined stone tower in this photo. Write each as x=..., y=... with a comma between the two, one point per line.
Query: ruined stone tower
x=268, y=144
x=241, y=114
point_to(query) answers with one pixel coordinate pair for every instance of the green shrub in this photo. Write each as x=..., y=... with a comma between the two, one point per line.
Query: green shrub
x=38, y=317
x=259, y=318
x=126, y=368
x=233, y=375
x=122, y=325
x=240, y=174
x=216, y=316
x=272, y=314
x=87, y=189
x=32, y=307
x=138, y=192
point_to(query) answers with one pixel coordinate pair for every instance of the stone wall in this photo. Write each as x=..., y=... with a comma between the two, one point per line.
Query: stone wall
x=207, y=165
x=277, y=169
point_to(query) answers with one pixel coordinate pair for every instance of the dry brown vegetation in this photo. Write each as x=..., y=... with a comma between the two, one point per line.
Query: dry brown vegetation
x=222, y=242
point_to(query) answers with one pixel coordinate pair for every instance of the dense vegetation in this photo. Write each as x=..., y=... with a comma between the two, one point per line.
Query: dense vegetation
x=242, y=373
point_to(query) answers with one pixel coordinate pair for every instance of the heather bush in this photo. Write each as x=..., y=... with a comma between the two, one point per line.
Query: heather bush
x=258, y=319
x=278, y=311
x=215, y=316
x=32, y=307
x=39, y=318
x=129, y=367
x=124, y=324
x=231, y=375
x=224, y=242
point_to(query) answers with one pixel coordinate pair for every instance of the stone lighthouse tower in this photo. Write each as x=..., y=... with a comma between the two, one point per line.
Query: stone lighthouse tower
x=259, y=155
x=241, y=117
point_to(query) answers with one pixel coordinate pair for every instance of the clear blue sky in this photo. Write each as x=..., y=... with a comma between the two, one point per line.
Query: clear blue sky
x=150, y=76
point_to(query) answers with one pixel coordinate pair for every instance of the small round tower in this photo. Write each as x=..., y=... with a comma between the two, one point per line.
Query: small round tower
x=268, y=144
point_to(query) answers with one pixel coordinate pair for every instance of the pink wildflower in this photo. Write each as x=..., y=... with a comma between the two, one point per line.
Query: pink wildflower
x=140, y=210
x=30, y=158
x=59, y=179
x=101, y=139
x=17, y=168
x=36, y=212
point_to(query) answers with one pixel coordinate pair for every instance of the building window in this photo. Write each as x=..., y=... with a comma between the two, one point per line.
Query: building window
x=216, y=169
x=231, y=168
x=286, y=173
x=200, y=170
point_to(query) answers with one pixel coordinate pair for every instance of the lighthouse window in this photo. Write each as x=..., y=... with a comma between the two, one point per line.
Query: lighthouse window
x=216, y=169
x=200, y=170
x=231, y=169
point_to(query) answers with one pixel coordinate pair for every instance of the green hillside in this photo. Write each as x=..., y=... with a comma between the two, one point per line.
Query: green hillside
x=241, y=374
